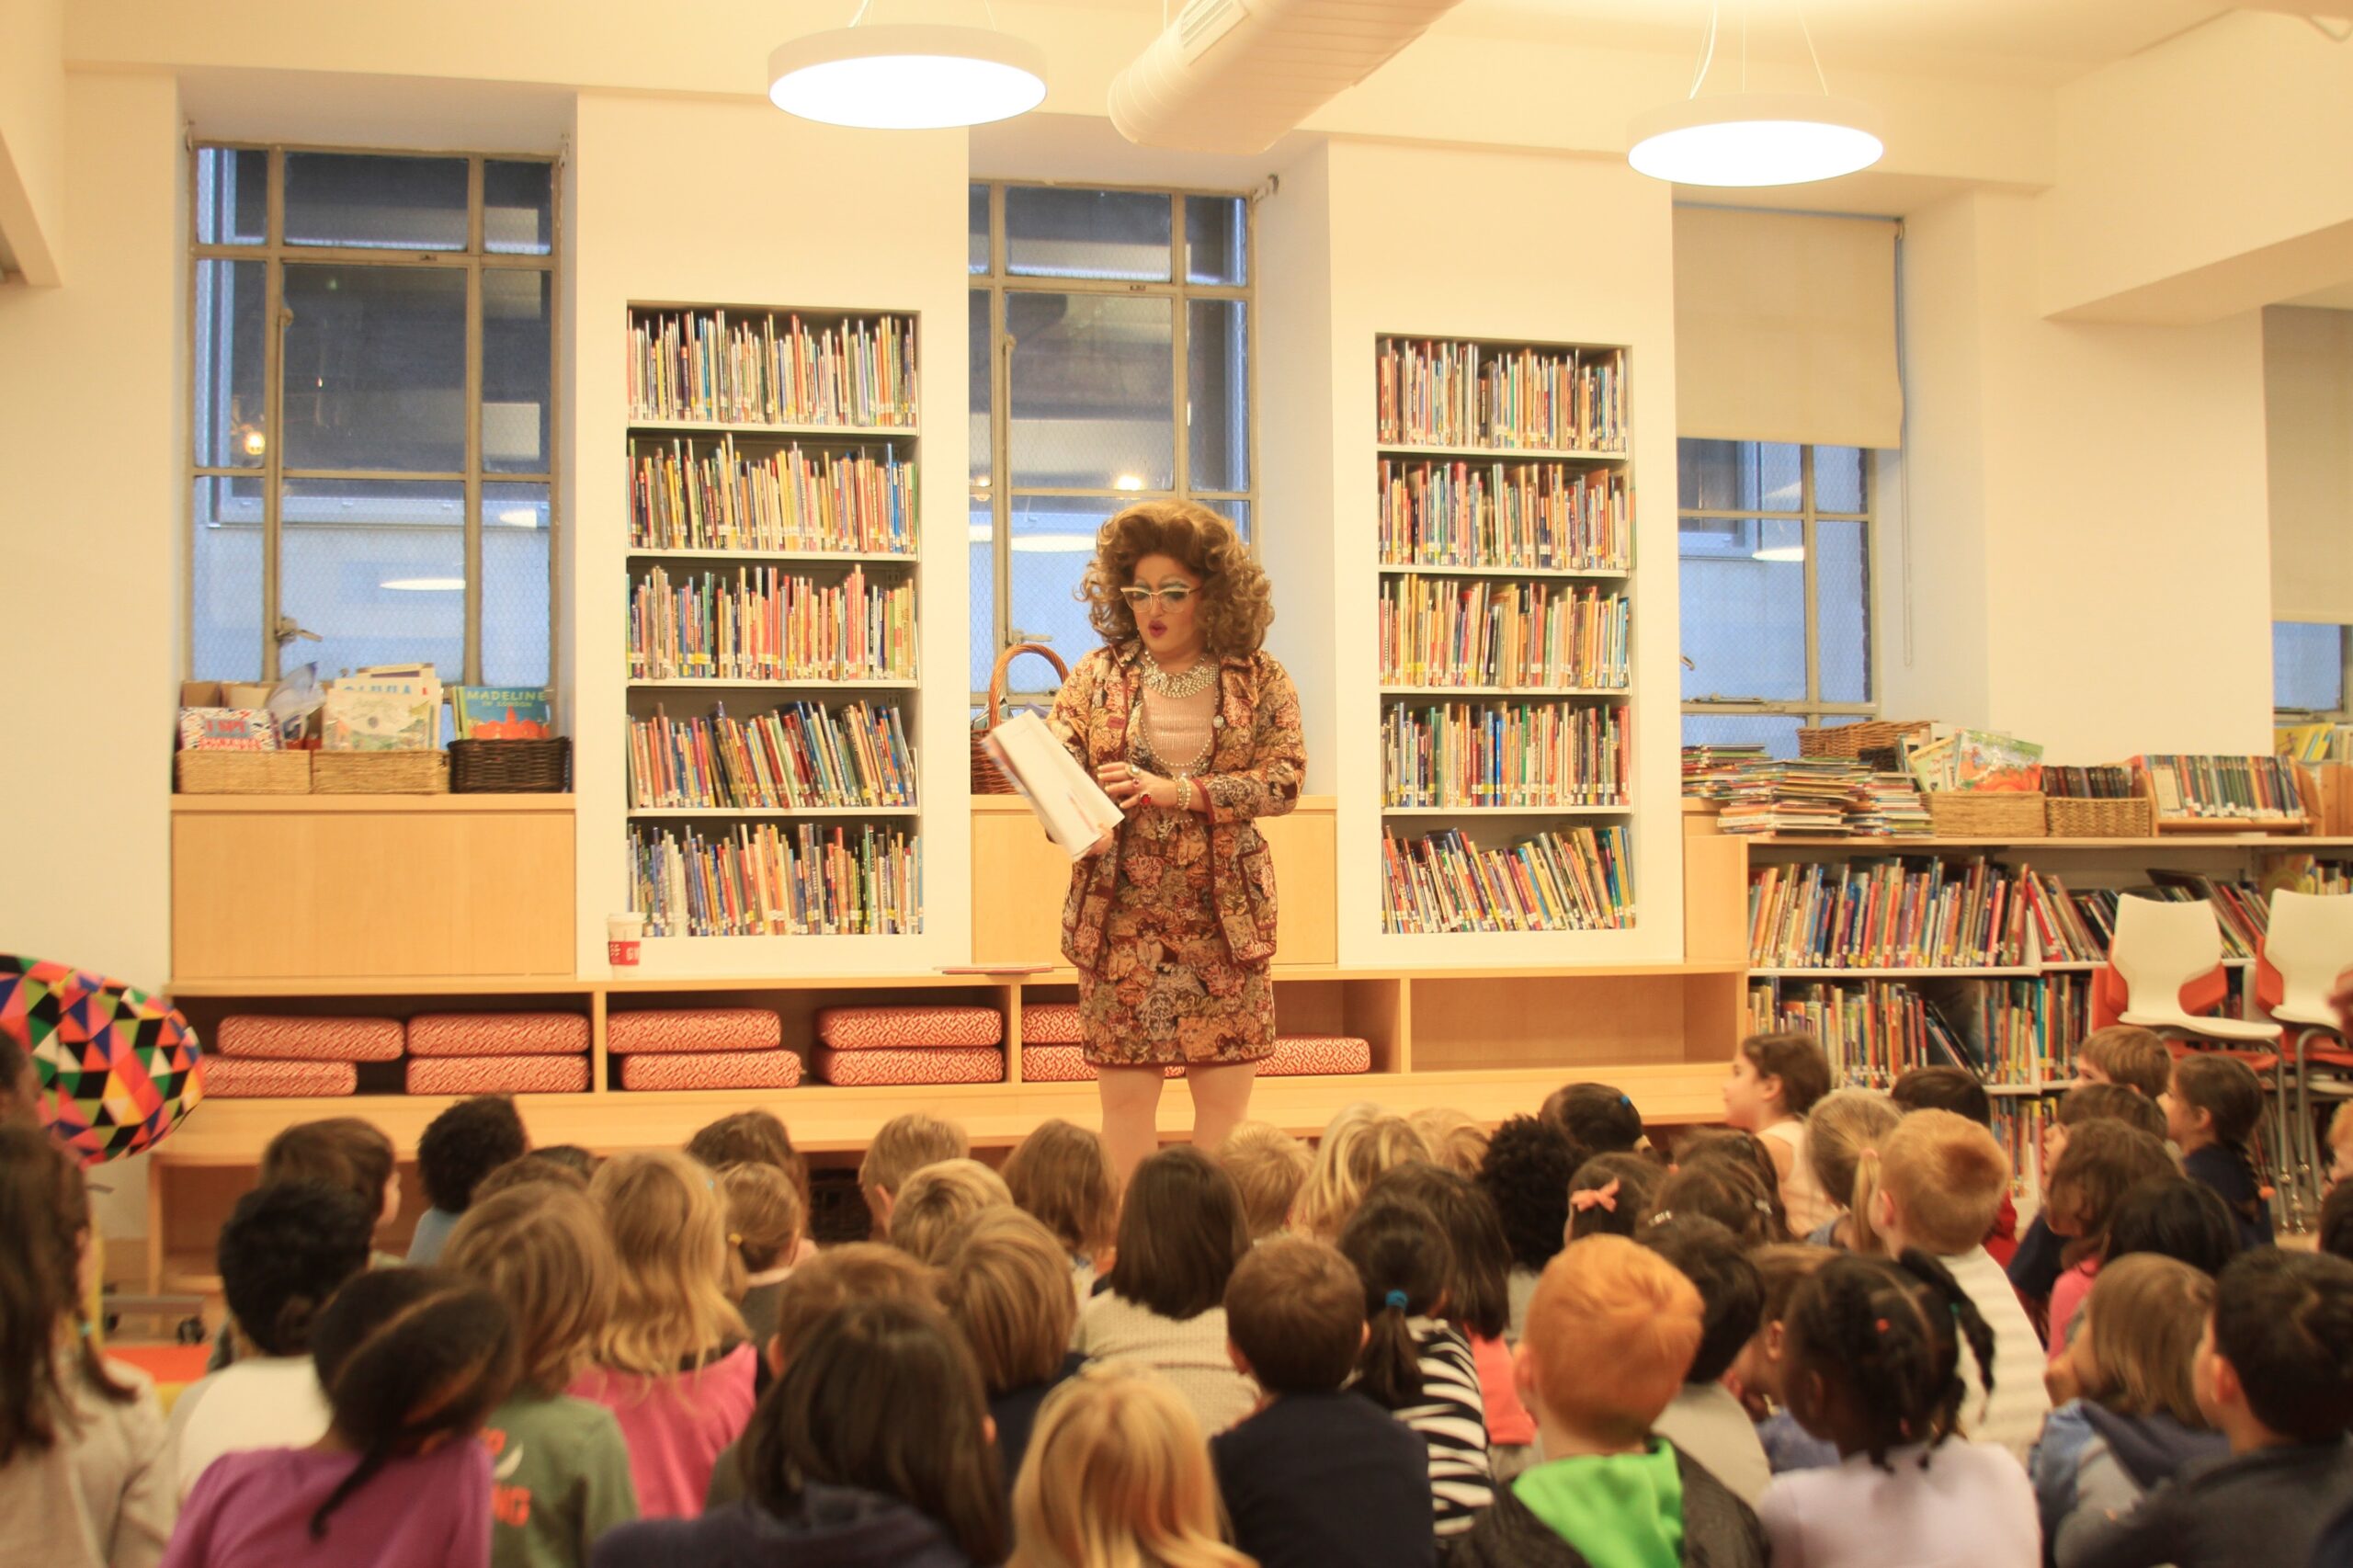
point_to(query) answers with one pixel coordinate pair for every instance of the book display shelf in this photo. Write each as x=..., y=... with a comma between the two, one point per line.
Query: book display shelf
x=1504, y=580
x=773, y=783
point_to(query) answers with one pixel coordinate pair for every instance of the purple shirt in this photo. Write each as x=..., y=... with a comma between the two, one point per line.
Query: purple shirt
x=252, y=1510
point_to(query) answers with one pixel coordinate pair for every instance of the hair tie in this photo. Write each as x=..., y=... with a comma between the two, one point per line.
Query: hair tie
x=1662, y=1217
x=1881, y=1324
x=1867, y=1152
x=734, y=1239
x=1762, y=1207
x=1626, y=1102
x=1595, y=1197
x=1396, y=1299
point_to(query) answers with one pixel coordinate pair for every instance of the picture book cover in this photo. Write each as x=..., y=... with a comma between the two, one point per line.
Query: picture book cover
x=384, y=709
x=500, y=713
x=1990, y=763
x=227, y=729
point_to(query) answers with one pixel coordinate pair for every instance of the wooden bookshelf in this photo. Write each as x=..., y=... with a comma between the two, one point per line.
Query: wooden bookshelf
x=697, y=440
x=1555, y=523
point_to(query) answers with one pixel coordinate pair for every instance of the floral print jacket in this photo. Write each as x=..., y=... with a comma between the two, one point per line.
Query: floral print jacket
x=1257, y=763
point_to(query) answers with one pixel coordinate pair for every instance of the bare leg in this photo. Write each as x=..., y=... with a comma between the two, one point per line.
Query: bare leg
x=1131, y=1115
x=1220, y=1099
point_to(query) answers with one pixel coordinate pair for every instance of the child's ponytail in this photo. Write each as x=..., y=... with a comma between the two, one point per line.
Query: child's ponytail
x=1888, y=1334
x=410, y=1358
x=2227, y=1090
x=1404, y=1260
x=1971, y=1325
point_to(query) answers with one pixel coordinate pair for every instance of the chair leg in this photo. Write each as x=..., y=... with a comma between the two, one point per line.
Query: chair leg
x=2295, y=1168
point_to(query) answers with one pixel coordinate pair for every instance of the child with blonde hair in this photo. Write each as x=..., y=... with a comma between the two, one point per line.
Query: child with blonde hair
x=765, y=1219
x=2127, y=1405
x=1941, y=1178
x=1118, y=1477
x=1268, y=1166
x=1455, y=1141
x=901, y=1147
x=2128, y=1055
x=561, y=1467
x=1062, y=1174
x=938, y=1198
x=1774, y=1080
x=1006, y=1287
x=672, y=1362
x=1611, y=1330
x=1359, y=1143
x=1843, y=1127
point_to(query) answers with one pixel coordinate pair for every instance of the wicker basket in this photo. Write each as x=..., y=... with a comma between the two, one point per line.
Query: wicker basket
x=2132, y=816
x=510, y=767
x=987, y=777
x=1985, y=813
x=380, y=773
x=1854, y=740
x=243, y=772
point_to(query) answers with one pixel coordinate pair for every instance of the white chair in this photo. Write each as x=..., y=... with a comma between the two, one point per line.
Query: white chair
x=2309, y=943
x=2162, y=946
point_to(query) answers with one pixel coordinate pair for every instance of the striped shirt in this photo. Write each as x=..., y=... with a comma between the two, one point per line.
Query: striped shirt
x=2013, y=1417
x=1451, y=1416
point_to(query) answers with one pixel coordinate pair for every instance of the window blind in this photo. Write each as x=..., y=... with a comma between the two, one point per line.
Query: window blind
x=1785, y=328
x=2308, y=428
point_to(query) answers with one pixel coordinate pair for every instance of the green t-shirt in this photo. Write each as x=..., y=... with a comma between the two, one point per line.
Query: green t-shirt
x=559, y=1478
x=1617, y=1510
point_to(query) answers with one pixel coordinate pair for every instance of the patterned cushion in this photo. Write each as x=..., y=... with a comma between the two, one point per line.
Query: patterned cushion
x=497, y=1034
x=1050, y=1023
x=235, y=1078
x=1298, y=1056
x=1059, y=1063
x=116, y=1069
x=272, y=1039
x=713, y=1070
x=498, y=1075
x=664, y=1031
x=887, y=1028
x=927, y=1065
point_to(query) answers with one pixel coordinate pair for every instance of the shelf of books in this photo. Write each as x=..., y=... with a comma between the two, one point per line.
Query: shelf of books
x=772, y=783
x=1504, y=583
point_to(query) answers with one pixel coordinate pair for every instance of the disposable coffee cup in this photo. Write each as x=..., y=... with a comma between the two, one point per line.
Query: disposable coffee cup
x=622, y=934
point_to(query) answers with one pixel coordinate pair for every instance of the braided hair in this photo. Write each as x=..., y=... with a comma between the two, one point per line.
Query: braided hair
x=408, y=1357
x=1886, y=1335
x=2227, y=1090
x=1404, y=1260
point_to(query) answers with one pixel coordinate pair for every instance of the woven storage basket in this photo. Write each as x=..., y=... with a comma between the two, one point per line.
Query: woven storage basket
x=1985, y=813
x=1854, y=740
x=987, y=777
x=243, y=772
x=510, y=767
x=380, y=773
x=2134, y=816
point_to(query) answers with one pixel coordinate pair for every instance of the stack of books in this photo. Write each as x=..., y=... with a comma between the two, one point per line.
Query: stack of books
x=806, y=880
x=1709, y=771
x=1494, y=754
x=1887, y=805
x=1575, y=880
x=800, y=755
x=1805, y=797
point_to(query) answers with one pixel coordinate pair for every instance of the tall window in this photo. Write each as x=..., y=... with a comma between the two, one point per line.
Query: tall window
x=1111, y=336
x=1775, y=569
x=2308, y=668
x=374, y=376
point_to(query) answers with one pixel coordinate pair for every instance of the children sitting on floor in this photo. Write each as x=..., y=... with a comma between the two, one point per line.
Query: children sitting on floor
x=1357, y=1144
x=2105, y=1161
x=1006, y=1287
x=1116, y=1473
x=937, y=1199
x=1062, y=1174
x=1526, y=1176
x=901, y=1147
x=1844, y=1126
x=457, y=1148
x=1268, y=1166
x=765, y=1222
x=1762, y=1368
x=1774, y=1082
x=2212, y=1110
x=1317, y=1475
x=1705, y=1419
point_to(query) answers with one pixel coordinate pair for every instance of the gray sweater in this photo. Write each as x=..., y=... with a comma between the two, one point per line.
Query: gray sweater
x=2266, y=1508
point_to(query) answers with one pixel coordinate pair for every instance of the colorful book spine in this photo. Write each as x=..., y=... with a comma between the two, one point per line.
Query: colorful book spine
x=1580, y=880
x=683, y=497
x=1535, y=516
x=1497, y=754
x=765, y=624
x=1887, y=913
x=2232, y=789
x=801, y=755
x=1460, y=394
x=2019, y=1122
x=699, y=365
x=1440, y=631
x=807, y=879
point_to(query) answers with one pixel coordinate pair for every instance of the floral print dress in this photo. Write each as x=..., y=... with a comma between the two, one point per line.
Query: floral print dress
x=1172, y=930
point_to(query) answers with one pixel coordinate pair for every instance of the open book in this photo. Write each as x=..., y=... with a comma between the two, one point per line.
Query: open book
x=1071, y=806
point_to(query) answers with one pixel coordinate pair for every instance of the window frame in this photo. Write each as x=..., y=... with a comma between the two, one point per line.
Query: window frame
x=1811, y=711
x=999, y=282
x=2342, y=711
x=473, y=261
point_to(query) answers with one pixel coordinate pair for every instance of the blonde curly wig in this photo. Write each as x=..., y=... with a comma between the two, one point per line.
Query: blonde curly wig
x=1237, y=602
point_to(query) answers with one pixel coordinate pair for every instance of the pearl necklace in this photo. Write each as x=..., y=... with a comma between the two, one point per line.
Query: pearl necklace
x=1192, y=683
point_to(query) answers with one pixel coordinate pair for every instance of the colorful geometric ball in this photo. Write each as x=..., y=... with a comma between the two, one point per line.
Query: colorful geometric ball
x=117, y=1068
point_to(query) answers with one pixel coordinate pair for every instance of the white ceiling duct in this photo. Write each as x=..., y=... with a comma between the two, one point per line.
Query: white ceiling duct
x=1234, y=76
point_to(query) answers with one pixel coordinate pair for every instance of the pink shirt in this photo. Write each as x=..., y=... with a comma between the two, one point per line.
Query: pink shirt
x=2067, y=1297
x=675, y=1427
x=1507, y=1419
x=252, y=1510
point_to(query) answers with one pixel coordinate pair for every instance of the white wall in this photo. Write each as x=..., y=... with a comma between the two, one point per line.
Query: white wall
x=92, y=429
x=32, y=136
x=2090, y=560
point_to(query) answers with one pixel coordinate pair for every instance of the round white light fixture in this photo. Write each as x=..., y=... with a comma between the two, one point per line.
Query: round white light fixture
x=907, y=76
x=1753, y=139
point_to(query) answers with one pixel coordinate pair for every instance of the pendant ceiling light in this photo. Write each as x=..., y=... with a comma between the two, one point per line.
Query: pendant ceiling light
x=1752, y=139
x=907, y=75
